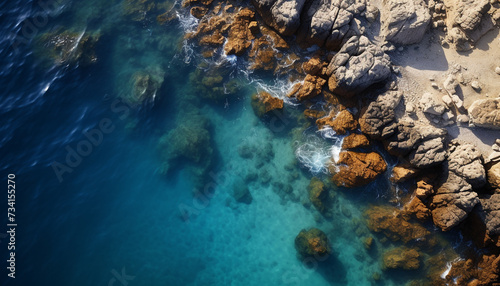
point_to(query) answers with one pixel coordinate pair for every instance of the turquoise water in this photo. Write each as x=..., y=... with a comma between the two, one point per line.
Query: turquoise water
x=123, y=216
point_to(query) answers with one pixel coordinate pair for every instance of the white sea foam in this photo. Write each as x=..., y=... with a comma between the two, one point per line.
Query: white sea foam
x=448, y=268
x=315, y=153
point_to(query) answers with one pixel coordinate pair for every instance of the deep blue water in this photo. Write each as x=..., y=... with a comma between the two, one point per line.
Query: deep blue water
x=115, y=217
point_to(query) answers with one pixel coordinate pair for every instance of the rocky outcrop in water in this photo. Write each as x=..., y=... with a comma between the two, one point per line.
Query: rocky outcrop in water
x=358, y=169
x=354, y=141
x=263, y=103
x=312, y=243
x=341, y=123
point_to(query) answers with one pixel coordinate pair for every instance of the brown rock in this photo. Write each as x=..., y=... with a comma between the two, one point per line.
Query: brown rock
x=198, y=12
x=187, y=3
x=392, y=223
x=482, y=270
x=418, y=209
x=494, y=175
x=312, y=243
x=240, y=37
x=424, y=189
x=355, y=141
x=311, y=87
x=358, y=169
x=314, y=113
x=340, y=123
x=368, y=242
x=318, y=194
x=313, y=66
x=263, y=103
x=402, y=258
x=402, y=173
x=262, y=55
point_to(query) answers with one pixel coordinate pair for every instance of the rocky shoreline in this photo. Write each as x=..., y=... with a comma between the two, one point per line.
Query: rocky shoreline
x=361, y=92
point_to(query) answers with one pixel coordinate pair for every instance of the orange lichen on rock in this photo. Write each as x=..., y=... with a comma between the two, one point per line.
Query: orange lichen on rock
x=358, y=169
x=311, y=87
x=402, y=172
x=340, y=123
x=263, y=103
x=262, y=55
x=355, y=141
x=240, y=36
x=418, y=209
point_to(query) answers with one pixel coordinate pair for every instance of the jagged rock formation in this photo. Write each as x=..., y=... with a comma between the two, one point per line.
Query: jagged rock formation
x=326, y=23
x=358, y=169
x=378, y=119
x=357, y=65
x=490, y=212
x=423, y=144
x=404, y=21
x=455, y=197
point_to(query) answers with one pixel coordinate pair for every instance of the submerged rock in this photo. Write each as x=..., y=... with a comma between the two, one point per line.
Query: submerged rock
x=358, y=169
x=485, y=113
x=395, y=226
x=402, y=258
x=145, y=86
x=68, y=47
x=312, y=243
x=241, y=193
x=318, y=194
x=263, y=103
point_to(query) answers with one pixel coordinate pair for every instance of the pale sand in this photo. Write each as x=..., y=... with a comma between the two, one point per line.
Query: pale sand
x=429, y=60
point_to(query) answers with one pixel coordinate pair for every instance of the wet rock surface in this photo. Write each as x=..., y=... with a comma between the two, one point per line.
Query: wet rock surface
x=264, y=102
x=358, y=169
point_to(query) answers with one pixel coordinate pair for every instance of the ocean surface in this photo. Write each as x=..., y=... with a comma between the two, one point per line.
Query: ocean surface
x=108, y=193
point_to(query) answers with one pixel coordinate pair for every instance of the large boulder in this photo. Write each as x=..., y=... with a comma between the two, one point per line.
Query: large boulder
x=490, y=212
x=465, y=160
x=455, y=197
x=485, y=113
x=312, y=243
x=423, y=144
x=357, y=65
x=326, y=23
x=358, y=169
x=453, y=201
x=282, y=15
x=340, y=123
x=404, y=22
x=378, y=119
x=494, y=175
x=240, y=36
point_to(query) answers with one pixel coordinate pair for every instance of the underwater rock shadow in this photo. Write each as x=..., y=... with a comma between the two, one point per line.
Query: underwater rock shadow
x=332, y=270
